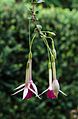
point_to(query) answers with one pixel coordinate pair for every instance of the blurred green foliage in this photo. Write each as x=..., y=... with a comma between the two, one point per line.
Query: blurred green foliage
x=48, y=3
x=63, y=3
x=13, y=57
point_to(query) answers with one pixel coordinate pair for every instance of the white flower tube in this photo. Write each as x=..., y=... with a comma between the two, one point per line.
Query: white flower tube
x=50, y=78
x=28, y=71
x=54, y=70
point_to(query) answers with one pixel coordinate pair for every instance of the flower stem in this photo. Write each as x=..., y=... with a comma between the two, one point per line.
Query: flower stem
x=29, y=37
x=32, y=41
x=46, y=43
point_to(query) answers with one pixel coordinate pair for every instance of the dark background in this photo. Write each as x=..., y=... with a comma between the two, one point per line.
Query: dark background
x=59, y=16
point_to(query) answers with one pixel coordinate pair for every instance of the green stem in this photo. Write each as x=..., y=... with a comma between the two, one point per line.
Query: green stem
x=53, y=47
x=32, y=41
x=30, y=55
x=48, y=55
x=49, y=32
x=46, y=43
x=52, y=42
x=29, y=36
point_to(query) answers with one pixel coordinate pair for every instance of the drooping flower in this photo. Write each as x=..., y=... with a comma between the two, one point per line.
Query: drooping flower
x=55, y=83
x=28, y=88
x=49, y=90
x=54, y=87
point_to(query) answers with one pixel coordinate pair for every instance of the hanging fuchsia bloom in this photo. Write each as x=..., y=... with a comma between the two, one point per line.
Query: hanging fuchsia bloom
x=55, y=84
x=54, y=87
x=49, y=90
x=29, y=88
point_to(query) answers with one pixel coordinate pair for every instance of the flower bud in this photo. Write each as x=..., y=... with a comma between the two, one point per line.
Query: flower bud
x=56, y=87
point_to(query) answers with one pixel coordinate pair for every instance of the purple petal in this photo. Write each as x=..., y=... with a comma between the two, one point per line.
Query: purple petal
x=50, y=94
x=29, y=94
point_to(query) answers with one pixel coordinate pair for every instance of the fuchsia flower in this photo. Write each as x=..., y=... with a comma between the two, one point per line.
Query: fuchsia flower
x=28, y=88
x=54, y=87
x=49, y=90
